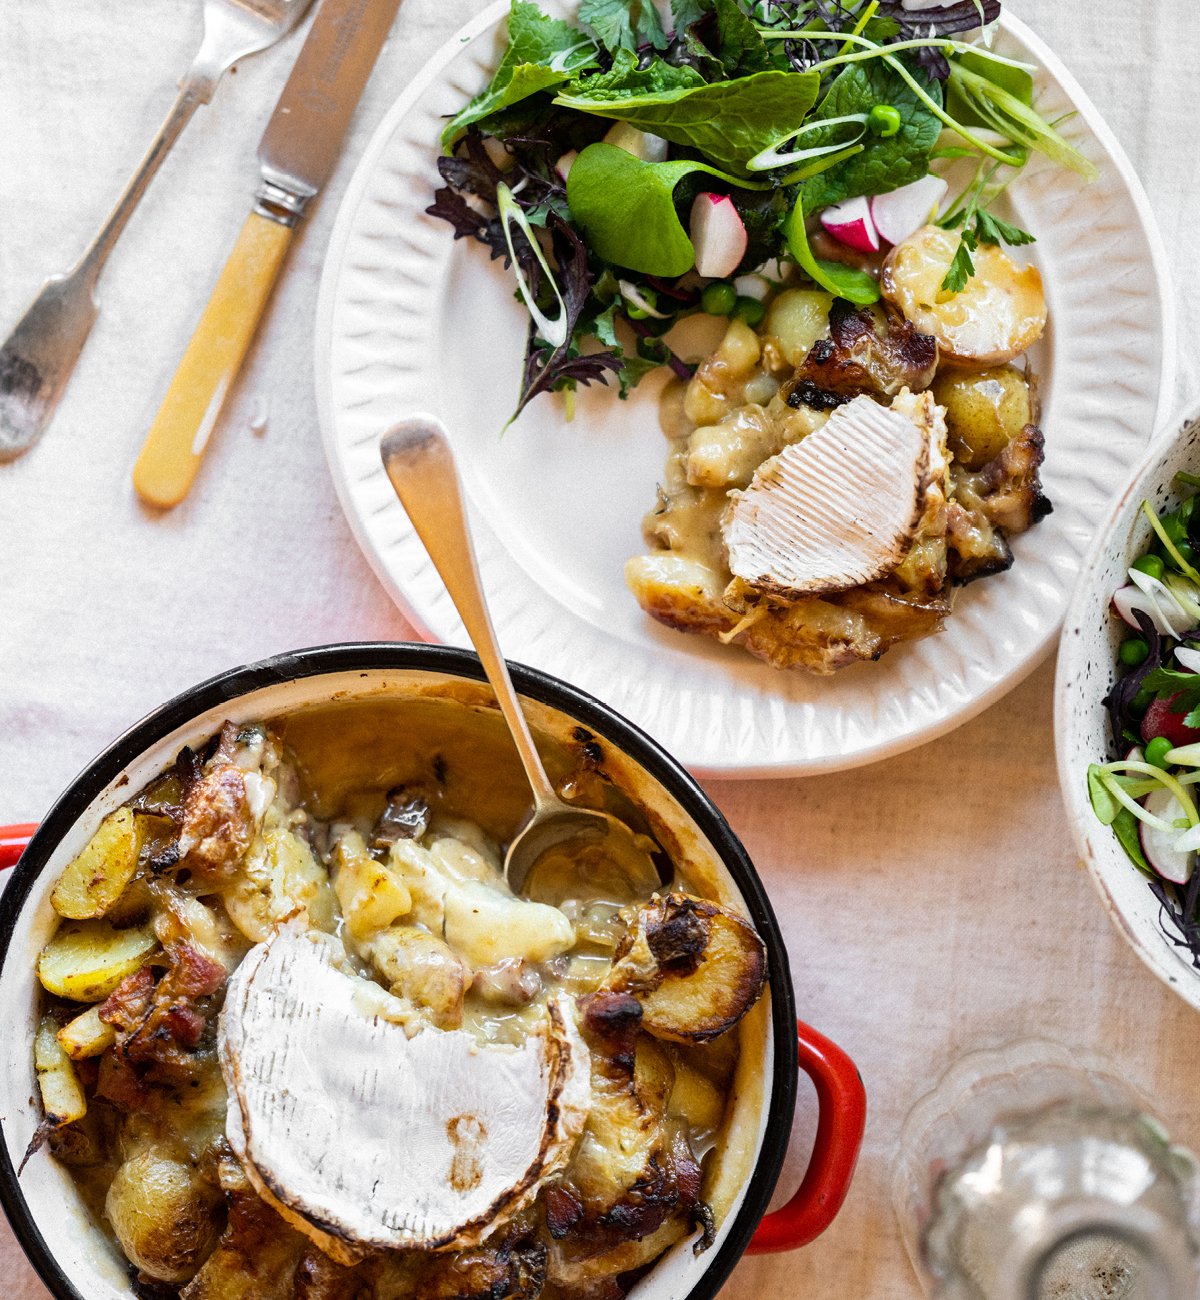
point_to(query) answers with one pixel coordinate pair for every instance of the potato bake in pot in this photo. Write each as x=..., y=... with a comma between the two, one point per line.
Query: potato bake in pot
x=289, y=1035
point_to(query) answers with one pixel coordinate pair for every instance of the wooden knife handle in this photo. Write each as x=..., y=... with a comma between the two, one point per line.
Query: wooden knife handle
x=181, y=430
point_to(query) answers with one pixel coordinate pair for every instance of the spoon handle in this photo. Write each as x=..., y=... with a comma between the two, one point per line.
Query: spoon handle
x=418, y=460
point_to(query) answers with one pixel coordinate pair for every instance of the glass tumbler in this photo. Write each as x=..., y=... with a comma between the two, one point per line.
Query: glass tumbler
x=1034, y=1173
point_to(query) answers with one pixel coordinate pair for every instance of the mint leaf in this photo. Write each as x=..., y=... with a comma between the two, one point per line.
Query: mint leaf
x=885, y=162
x=739, y=46
x=542, y=53
x=729, y=121
x=626, y=82
x=626, y=209
x=624, y=24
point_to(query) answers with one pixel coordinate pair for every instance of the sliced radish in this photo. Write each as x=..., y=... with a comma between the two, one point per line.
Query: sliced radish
x=900, y=213
x=1135, y=755
x=850, y=223
x=1160, y=846
x=718, y=235
x=501, y=159
x=566, y=162
x=1154, y=599
x=649, y=148
x=1162, y=720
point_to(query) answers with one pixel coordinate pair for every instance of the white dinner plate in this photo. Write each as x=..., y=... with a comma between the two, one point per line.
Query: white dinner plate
x=410, y=320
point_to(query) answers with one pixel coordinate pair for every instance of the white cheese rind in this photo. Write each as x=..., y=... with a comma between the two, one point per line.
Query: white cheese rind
x=835, y=511
x=372, y=1136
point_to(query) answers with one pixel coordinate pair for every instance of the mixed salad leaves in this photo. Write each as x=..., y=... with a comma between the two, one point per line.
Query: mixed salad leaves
x=619, y=165
x=1147, y=795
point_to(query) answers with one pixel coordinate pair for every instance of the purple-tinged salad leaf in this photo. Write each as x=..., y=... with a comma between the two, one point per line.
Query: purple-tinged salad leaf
x=785, y=107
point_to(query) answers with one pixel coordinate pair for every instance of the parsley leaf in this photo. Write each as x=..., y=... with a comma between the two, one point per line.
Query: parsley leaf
x=991, y=230
x=624, y=24
x=1181, y=689
x=962, y=268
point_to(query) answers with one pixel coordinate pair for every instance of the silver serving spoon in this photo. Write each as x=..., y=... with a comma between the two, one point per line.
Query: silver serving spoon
x=418, y=460
x=38, y=357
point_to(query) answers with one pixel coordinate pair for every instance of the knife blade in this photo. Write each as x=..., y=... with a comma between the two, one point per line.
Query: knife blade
x=297, y=152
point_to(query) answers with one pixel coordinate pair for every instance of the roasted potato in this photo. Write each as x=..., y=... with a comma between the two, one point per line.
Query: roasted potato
x=163, y=1215
x=62, y=1094
x=372, y=896
x=696, y=968
x=86, y=960
x=719, y=383
x=420, y=967
x=86, y=1035
x=985, y=410
x=795, y=320
x=98, y=876
x=278, y=876
x=998, y=314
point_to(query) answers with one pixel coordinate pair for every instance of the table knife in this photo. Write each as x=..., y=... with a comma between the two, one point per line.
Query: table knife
x=297, y=152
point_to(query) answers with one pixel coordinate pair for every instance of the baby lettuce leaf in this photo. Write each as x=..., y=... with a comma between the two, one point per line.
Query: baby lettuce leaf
x=729, y=121
x=842, y=281
x=626, y=209
x=739, y=46
x=542, y=53
x=886, y=162
x=687, y=12
x=624, y=24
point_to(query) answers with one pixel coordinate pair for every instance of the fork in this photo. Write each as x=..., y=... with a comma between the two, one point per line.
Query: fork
x=38, y=357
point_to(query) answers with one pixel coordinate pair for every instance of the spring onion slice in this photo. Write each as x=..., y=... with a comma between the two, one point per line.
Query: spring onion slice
x=635, y=298
x=1183, y=756
x=770, y=157
x=1185, y=594
x=1173, y=621
x=1188, y=658
x=553, y=331
x=1164, y=779
x=1168, y=545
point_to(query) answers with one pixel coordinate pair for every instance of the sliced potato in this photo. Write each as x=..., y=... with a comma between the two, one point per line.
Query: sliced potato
x=98, y=876
x=62, y=1094
x=1000, y=312
x=86, y=1035
x=279, y=876
x=695, y=967
x=86, y=960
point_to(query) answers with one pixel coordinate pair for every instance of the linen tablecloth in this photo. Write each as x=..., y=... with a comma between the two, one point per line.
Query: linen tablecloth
x=931, y=903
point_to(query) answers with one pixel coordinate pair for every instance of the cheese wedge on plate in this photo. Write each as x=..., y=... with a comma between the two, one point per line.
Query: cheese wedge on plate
x=840, y=508
x=368, y=1131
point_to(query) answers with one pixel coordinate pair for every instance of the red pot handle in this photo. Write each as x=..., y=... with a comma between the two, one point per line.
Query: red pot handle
x=12, y=843
x=841, y=1119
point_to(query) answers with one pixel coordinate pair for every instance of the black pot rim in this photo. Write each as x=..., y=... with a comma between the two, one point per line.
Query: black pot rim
x=546, y=689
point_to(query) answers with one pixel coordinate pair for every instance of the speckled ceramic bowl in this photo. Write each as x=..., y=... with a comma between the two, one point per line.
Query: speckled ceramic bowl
x=1087, y=660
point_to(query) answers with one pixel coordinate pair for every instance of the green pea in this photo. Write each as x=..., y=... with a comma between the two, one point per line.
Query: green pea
x=1133, y=651
x=884, y=120
x=1141, y=702
x=1150, y=564
x=635, y=312
x=719, y=298
x=1156, y=752
x=749, y=310
x=1187, y=553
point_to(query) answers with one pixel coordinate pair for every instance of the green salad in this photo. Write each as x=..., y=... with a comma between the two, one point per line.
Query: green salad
x=632, y=174
x=1147, y=792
